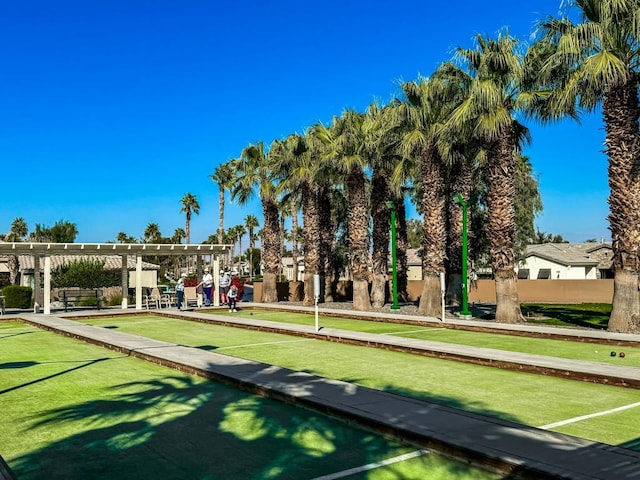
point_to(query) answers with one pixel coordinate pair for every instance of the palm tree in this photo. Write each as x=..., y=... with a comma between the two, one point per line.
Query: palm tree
x=224, y=177
x=189, y=205
x=178, y=235
x=152, y=233
x=346, y=146
x=591, y=63
x=423, y=116
x=495, y=96
x=254, y=169
x=295, y=156
x=17, y=233
x=251, y=222
x=122, y=237
x=239, y=231
x=18, y=230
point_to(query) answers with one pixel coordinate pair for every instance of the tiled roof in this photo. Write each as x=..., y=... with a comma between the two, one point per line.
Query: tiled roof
x=568, y=253
x=112, y=262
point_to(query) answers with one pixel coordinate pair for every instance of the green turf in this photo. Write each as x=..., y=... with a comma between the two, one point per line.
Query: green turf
x=71, y=410
x=526, y=398
x=541, y=346
x=587, y=315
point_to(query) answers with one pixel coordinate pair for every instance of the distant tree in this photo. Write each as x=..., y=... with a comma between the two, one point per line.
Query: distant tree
x=224, y=176
x=414, y=231
x=251, y=222
x=178, y=235
x=16, y=234
x=152, y=233
x=189, y=205
x=122, y=237
x=18, y=231
x=61, y=232
x=542, y=237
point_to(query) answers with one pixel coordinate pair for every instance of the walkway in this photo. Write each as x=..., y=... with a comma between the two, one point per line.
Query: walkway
x=507, y=446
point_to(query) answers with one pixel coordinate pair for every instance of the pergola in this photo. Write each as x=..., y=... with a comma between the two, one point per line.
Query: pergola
x=47, y=250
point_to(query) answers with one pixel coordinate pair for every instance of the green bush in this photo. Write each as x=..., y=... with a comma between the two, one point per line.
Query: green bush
x=16, y=296
x=85, y=274
x=115, y=301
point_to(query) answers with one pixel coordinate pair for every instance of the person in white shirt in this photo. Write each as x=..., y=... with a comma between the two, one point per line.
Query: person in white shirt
x=180, y=290
x=207, y=286
x=225, y=282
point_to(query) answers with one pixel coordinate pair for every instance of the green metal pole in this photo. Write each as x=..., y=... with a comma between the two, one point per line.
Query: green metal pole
x=394, y=267
x=464, y=312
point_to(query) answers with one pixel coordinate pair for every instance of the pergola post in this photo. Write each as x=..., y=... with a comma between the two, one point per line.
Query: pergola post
x=47, y=284
x=124, y=280
x=139, y=282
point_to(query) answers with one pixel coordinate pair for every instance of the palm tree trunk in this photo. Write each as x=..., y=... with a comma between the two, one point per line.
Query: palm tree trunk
x=294, y=239
x=461, y=183
x=621, y=111
x=311, y=232
x=358, y=239
x=434, y=235
x=221, y=214
x=402, y=244
x=270, y=251
x=327, y=243
x=380, y=253
x=501, y=231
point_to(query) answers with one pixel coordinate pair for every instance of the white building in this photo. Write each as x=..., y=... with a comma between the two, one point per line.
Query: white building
x=567, y=261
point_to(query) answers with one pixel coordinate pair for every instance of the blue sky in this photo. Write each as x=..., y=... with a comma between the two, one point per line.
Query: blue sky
x=112, y=110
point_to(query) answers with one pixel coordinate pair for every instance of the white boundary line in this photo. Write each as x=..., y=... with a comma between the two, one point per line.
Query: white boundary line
x=372, y=466
x=592, y=415
x=265, y=343
x=415, y=331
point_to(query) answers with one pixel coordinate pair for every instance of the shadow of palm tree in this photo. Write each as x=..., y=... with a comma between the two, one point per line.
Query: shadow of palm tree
x=180, y=427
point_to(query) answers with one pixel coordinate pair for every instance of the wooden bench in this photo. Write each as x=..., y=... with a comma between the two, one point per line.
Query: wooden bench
x=74, y=294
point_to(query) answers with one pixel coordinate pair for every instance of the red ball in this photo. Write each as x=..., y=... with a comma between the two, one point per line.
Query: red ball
x=621, y=354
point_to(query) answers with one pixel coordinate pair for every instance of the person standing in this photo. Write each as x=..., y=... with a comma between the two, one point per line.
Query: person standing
x=180, y=290
x=225, y=282
x=207, y=286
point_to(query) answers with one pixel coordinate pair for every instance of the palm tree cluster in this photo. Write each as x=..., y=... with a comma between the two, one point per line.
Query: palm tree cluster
x=457, y=132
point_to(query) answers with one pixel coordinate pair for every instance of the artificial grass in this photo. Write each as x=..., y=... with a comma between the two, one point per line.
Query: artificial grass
x=585, y=315
x=530, y=399
x=592, y=352
x=72, y=410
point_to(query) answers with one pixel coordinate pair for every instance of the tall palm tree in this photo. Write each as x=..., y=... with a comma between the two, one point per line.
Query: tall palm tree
x=496, y=96
x=296, y=156
x=346, y=146
x=254, y=170
x=240, y=230
x=423, y=117
x=251, y=223
x=591, y=63
x=224, y=176
x=189, y=205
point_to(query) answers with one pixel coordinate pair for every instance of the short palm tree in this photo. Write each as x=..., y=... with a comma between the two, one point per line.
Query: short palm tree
x=17, y=233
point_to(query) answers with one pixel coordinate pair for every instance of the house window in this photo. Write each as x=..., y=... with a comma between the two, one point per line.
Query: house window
x=544, y=274
x=523, y=274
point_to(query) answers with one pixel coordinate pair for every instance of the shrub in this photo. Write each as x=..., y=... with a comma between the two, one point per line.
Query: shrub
x=16, y=296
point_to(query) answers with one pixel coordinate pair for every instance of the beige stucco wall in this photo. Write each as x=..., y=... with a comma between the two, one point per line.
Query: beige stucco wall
x=550, y=291
x=529, y=291
x=562, y=272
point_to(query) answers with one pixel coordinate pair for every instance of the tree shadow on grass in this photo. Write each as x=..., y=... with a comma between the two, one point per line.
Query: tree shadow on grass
x=582, y=316
x=181, y=427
